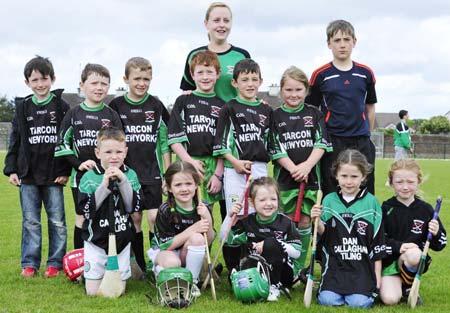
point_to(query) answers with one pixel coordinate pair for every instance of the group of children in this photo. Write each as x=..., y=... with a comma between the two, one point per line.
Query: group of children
x=122, y=153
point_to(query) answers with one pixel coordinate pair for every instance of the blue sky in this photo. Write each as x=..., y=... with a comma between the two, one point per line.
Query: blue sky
x=406, y=43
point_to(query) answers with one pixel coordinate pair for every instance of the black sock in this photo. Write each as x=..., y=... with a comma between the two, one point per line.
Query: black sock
x=78, y=242
x=138, y=248
x=232, y=256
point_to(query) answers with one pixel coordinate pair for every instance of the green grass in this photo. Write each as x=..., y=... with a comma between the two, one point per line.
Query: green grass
x=59, y=295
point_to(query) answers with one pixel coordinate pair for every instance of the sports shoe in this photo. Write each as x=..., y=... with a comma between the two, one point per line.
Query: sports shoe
x=274, y=293
x=28, y=271
x=195, y=291
x=51, y=271
x=302, y=277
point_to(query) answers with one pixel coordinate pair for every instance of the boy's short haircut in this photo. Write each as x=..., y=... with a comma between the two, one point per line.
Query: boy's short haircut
x=110, y=133
x=340, y=25
x=41, y=65
x=402, y=113
x=246, y=66
x=98, y=69
x=295, y=73
x=137, y=63
x=206, y=58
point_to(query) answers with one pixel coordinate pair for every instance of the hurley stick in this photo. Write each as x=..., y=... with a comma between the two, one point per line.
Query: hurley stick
x=208, y=256
x=310, y=283
x=233, y=220
x=414, y=292
x=298, y=207
x=112, y=285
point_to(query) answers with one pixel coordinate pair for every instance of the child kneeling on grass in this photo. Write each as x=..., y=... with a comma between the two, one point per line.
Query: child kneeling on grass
x=407, y=220
x=267, y=233
x=180, y=224
x=110, y=178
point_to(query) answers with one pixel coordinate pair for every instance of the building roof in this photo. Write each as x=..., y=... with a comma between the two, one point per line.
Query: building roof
x=386, y=120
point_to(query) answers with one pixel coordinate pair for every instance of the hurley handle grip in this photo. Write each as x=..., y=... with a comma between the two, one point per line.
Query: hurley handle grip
x=436, y=214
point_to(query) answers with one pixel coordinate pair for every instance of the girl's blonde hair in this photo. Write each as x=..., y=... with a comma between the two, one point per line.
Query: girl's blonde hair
x=294, y=73
x=355, y=158
x=405, y=164
x=214, y=5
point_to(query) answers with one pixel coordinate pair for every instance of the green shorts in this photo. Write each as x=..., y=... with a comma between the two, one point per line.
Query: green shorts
x=289, y=201
x=210, y=167
x=390, y=270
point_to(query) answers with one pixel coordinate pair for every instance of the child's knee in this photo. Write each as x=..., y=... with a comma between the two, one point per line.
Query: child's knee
x=411, y=257
x=330, y=298
x=196, y=239
x=359, y=301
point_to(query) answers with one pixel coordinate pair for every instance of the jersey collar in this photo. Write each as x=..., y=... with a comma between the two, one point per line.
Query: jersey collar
x=268, y=221
x=289, y=110
x=129, y=101
x=205, y=95
x=42, y=103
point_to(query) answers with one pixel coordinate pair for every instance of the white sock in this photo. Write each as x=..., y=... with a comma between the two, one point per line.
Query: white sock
x=194, y=260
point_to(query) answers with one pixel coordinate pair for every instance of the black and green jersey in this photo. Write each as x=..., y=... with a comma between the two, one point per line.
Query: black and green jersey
x=295, y=133
x=172, y=221
x=145, y=126
x=96, y=224
x=352, y=241
x=252, y=229
x=39, y=124
x=243, y=130
x=78, y=136
x=227, y=59
x=193, y=122
x=404, y=224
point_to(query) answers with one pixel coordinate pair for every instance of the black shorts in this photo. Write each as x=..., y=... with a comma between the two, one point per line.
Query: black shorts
x=151, y=196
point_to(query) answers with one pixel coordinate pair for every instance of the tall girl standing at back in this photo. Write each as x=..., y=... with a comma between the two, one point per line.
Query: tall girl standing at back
x=351, y=235
x=218, y=22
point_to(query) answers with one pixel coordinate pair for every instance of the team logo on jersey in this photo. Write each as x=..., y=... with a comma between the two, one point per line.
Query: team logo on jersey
x=215, y=111
x=106, y=122
x=346, y=82
x=262, y=119
x=278, y=235
x=308, y=121
x=417, y=226
x=361, y=227
x=149, y=116
x=52, y=115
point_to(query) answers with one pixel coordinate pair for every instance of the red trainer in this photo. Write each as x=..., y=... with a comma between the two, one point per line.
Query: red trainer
x=28, y=272
x=51, y=272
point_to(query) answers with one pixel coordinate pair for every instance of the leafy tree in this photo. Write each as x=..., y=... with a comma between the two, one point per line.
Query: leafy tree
x=435, y=125
x=7, y=109
x=416, y=123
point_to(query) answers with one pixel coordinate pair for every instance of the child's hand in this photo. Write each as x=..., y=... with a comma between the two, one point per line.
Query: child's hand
x=62, y=180
x=186, y=92
x=14, y=179
x=86, y=165
x=301, y=172
x=407, y=245
x=316, y=211
x=242, y=166
x=202, y=210
x=214, y=185
x=199, y=166
x=258, y=247
x=433, y=227
x=112, y=173
x=237, y=207
x=202, y=226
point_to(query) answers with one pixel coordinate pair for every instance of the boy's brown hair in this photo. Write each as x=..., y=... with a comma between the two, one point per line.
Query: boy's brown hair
x=206, y=58
x=111, y=132
x=41, y=65
x=92, y=68
x=246, y=66
x=340, y=25
x=137, y=63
